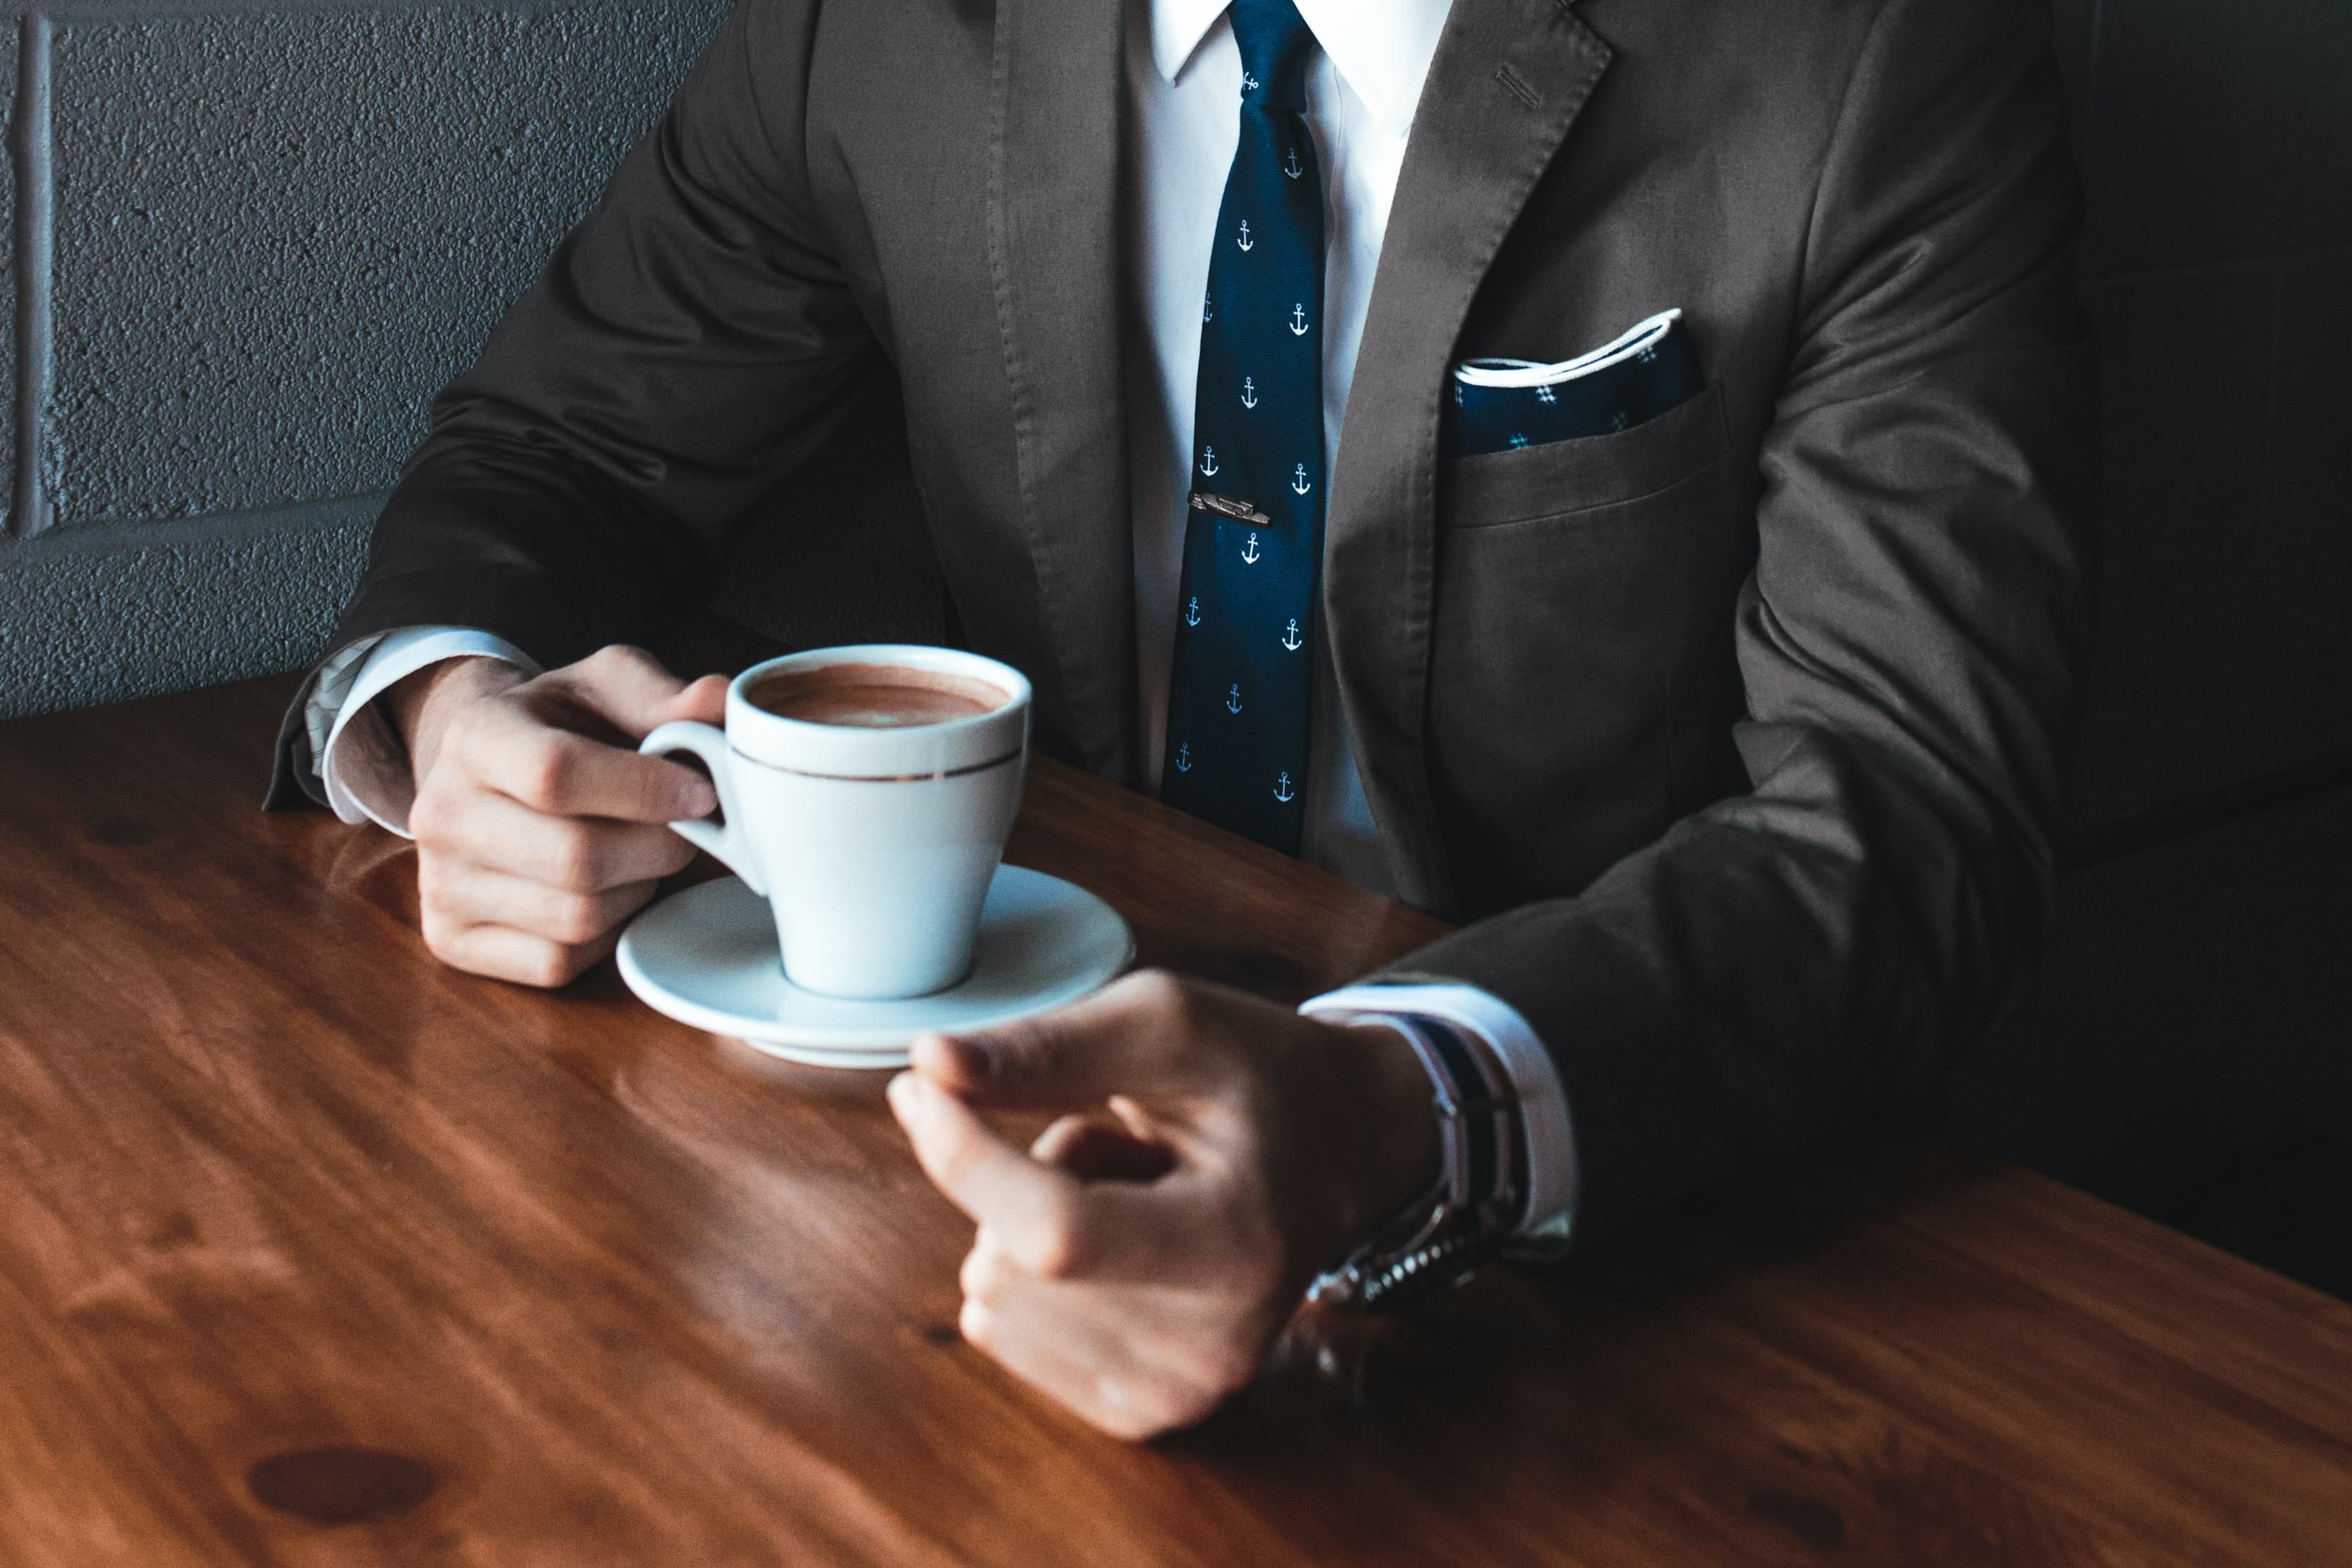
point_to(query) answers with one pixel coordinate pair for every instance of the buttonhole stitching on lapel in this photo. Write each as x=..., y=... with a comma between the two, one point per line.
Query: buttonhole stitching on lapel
x=1518, y=87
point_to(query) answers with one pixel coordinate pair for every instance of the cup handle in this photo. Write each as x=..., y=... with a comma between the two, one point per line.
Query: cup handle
x=726, y=839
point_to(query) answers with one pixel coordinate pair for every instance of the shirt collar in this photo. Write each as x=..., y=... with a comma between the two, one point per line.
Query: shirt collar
x=1381, y=47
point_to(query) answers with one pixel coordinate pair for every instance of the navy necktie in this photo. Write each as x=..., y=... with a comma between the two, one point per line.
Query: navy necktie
x=1243, y=672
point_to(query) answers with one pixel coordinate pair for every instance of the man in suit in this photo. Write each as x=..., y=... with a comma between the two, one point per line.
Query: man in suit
x=1733, y=737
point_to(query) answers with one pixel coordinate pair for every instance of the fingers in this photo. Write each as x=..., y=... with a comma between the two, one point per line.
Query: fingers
x=1125, y=1380
x=1094, y=1151
x=537, y=834
x=501, y=952
x=978, y=1170
x=1054, y=1225
x=513, y=749
x=479, y=897
x=506, y=892
x=1135, y=1360
x=1147, y=1034
x=528, y=742
x=475, y=829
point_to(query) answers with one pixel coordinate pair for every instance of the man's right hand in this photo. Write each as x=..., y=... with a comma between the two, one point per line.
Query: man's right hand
x=539, y=827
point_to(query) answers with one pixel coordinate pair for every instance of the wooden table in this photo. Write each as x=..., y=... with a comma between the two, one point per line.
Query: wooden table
x=311, y=1252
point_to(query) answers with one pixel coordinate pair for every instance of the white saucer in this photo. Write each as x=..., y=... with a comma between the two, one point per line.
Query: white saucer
x=708, y=957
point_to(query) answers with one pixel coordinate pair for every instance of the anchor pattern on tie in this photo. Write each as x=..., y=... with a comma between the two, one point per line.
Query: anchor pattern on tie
x=1252, y=569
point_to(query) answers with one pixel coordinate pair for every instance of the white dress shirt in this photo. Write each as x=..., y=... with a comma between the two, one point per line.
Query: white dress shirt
x=1183, y=89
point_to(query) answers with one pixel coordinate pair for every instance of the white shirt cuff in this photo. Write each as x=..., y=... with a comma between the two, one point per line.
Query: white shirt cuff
x=360, y=761
x=1554, y=1179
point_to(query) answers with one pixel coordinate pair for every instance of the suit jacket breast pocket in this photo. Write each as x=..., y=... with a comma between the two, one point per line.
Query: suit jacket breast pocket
x=1583, y=678
x=1560, y=478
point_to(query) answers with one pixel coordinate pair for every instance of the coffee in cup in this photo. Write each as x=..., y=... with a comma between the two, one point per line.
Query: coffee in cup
x=872, y=696
x=866, y=792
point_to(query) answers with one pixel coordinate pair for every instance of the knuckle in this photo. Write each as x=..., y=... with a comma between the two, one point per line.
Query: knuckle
x=578, y=919
x=1159, y=988
x=547, y=966
x=977, y=1324
x=1057, y=1249
x=1166, y=996
x=982, y=1276
x=428, y=814
x=1049, y=1255
x=578, y=860
x=440, y=933
x=618, y=656
x=1130, y=1424
x=622, y=665
x=545, y=771
x=1136, y=1416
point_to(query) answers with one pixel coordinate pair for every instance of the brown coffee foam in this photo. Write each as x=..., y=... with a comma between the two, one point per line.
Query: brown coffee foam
x=874, y=696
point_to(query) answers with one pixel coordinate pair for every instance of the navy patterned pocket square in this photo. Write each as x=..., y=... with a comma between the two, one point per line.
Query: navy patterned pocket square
x=1500, y=403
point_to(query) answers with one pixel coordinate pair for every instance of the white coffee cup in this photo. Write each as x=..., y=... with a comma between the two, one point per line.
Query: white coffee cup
x=873, y=846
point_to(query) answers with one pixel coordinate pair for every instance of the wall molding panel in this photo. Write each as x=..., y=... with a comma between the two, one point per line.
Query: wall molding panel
x=33, y=235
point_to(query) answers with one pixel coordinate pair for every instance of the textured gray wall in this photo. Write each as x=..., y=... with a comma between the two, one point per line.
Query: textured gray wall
x=274, y=236
x=277, y=236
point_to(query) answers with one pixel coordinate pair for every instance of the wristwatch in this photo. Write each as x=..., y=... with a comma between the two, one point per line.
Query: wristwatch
x=1465, y=1217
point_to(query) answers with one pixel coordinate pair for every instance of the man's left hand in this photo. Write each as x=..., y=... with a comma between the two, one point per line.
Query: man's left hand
x=1216, y=1152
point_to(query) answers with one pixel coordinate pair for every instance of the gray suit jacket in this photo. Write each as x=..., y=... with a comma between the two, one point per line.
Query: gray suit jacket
x=1736, y=738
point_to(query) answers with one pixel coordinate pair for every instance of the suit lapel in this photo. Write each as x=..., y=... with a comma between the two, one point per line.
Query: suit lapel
x=1054, y=238
x=1508, y=79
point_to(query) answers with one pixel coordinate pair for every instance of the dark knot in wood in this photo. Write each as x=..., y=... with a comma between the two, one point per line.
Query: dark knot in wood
x=1809, y=1519
x=341, y=1486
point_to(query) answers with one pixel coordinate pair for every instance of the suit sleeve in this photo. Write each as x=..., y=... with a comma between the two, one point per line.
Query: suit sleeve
x=1789, y=962
x=687, y=348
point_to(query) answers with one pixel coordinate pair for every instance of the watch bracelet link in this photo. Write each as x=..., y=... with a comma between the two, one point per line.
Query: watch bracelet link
x=1468, y=1215
x=1457, y=1246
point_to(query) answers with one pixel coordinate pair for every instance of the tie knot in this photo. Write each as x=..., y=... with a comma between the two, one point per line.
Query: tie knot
x=1274, y=43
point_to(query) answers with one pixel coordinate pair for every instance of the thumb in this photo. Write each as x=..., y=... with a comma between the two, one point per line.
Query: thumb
x=1147, y=1036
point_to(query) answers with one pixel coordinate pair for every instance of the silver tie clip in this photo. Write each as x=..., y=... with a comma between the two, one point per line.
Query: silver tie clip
x=1234, y=506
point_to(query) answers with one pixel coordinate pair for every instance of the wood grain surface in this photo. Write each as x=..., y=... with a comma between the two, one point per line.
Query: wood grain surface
x=314, y=1252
